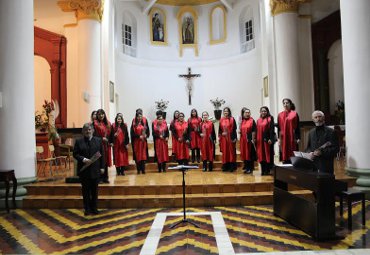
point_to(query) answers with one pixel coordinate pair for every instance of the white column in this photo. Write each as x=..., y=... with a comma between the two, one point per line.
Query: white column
x=17, y=123
x=88, y=55
x=287, y=58
x=89, y=66
x=355, y=21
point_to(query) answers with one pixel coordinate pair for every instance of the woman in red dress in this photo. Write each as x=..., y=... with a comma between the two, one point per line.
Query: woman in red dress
x=265, y=140
x=160, y=134
x=194, y=127
x=208, y=138
x=102, y=128
x=227, y=139
x=139, y=134
x=173, y=132
x=247, y=140
x=120, y=140
x=183, y=140
x=288, y=130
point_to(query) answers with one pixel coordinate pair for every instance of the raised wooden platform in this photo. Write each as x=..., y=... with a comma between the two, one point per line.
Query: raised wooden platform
x=155, y=189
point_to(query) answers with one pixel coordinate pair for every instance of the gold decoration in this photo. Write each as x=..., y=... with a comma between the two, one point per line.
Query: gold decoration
x=84, y=9
x=162, y=40
x=282, y=6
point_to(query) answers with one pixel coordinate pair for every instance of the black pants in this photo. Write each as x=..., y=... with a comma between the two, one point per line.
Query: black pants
x=90, y=193
x=140, y=166
x=183, y=161
x=161, y=167
x=104, y=176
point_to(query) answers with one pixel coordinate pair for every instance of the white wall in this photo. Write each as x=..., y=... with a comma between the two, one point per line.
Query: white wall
x=42, y=82
x=153, y=74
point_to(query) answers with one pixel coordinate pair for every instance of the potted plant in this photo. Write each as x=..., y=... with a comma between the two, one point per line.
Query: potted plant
x=217, y=103
x=162, y=105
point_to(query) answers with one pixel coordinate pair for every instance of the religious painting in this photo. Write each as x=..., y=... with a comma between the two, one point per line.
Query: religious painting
x=187, y=19
x=266, y=86
x=111, y=91
x=188, y=30
x=158, y=34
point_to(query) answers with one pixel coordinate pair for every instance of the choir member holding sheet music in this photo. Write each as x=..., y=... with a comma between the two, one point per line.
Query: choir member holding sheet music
x=288, y=130
x=265, y=140
x=247, y=140
x=208, y=138
x=227, y=139
x=120, y=141
x=160, y=135
x=183, y=140
x=139, y=134
x=102, y=128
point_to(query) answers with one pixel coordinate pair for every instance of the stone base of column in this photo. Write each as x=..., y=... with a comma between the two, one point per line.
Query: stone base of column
x=363, y=179
x=20, y=194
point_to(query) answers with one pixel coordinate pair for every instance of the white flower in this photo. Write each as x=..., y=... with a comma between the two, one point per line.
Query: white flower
x=161, y=105
x=217, y=103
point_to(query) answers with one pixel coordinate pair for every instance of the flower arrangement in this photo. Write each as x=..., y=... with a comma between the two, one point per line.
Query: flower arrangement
x=161, y=105
x=45, y=121
x=217, y=103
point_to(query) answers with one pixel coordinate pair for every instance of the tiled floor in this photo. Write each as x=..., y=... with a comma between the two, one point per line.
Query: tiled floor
x=223, y=230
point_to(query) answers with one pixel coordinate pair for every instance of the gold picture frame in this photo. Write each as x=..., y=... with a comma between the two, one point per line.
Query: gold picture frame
x=266, y=86
x=158, y=26
x=187, y=19
x=211, y=21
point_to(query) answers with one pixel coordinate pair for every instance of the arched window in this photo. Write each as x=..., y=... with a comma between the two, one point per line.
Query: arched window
x=218, y=24
x=246, y=26
x=129, y=34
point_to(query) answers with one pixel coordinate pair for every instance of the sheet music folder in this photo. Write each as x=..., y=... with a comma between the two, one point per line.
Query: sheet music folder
x=303, y=163
x=181, y=167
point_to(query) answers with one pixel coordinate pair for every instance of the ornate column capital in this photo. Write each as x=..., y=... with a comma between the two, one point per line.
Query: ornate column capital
x=84, y=9
x=282, y=6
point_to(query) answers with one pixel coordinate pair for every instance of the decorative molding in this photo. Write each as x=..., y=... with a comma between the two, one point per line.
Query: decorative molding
x=182, y=11
x=284, y=6
x=150, y=17
x=84, y=9
x=223, y=39
x=185, y=2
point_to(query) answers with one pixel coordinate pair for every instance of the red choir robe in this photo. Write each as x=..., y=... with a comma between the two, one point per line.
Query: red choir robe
x=288, y=127
x=182, y=150
x=119, y=138
x=161, y=145
x=102, y=130
x=174, y=136
x=134, y=136
x=264, y=133
x=140, y=146
x=194, y=126
x=247, y=127
x=208, y=140
x=227, y=146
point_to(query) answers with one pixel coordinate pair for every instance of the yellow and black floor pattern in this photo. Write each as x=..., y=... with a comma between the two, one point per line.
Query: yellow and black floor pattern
x=250, y=229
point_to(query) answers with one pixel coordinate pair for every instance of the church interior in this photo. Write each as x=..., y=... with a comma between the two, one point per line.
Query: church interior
x=63, y=59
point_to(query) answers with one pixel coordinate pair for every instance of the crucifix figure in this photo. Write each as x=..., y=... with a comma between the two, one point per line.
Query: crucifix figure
x=189, y=82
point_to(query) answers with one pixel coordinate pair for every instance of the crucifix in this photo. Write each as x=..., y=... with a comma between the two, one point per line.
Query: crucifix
x=189, y=81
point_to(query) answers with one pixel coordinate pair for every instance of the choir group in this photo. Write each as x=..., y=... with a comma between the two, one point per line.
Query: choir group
x=198, y=135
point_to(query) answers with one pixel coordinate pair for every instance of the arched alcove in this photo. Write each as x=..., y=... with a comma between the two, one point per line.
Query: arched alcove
x=246, y=28
x=53, y=47
x=335, y=72
x=129, y=34
x=218, y=24
x=42, y=82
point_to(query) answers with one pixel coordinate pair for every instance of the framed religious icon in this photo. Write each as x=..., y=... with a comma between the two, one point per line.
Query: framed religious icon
x=187, y=19
x=266, y=86
x=111, y=91
x=158, y=28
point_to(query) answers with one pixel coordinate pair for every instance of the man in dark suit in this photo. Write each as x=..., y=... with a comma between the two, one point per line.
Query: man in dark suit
x=322, y=144
x=87, y=149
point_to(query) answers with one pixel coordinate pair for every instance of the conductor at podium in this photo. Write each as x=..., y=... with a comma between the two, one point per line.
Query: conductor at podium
x=88, y=151
x=322, y=144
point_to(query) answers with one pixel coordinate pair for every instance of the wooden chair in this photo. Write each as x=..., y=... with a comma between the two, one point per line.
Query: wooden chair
x=66, y=149
x=42, y=162
x=58, y=159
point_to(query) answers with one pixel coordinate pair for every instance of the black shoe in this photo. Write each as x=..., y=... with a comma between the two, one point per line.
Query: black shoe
x=95, y=212
x=105, y=181
x=123, y=173
x=204, y=170
x=248, y=171
x=87, y=213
